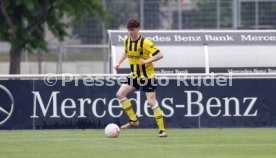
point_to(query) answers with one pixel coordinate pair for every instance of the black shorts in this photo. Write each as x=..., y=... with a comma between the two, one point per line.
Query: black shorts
x=149, y=85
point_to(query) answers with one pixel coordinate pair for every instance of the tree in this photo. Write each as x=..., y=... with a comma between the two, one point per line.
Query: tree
x=23, y=22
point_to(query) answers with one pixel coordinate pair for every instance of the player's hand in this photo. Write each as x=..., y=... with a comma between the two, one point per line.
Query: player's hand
x=116, y=67
x=142, y=61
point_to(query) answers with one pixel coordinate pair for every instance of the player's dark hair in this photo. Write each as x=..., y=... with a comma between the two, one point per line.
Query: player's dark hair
x=133, y=23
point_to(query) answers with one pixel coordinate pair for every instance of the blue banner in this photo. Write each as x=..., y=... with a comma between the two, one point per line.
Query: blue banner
x=189, y=103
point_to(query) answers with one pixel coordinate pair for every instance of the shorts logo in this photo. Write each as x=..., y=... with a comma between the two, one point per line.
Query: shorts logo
x=7, y=107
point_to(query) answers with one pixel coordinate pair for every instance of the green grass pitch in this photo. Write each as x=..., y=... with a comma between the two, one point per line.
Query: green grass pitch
x=140, y=143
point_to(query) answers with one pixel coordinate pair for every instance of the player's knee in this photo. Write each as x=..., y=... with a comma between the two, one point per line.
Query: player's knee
x=151, y=102
x=120, y=95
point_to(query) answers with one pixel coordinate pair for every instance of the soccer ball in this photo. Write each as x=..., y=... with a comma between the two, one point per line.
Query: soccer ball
x=112, y=130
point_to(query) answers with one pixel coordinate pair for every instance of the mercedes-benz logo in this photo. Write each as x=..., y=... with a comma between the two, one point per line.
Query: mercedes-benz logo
x=5, y=110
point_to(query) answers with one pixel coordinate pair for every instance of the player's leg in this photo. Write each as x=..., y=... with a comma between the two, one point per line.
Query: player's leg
x=126, y=104
x=158, y=114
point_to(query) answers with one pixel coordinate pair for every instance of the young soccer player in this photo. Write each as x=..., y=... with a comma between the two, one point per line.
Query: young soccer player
x=141, y=53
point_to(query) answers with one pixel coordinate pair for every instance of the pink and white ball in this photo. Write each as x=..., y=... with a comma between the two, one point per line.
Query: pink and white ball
x=112, y=130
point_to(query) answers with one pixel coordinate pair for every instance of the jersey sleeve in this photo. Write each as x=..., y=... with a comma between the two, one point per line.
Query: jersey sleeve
x=125, y=44
x=150, y=47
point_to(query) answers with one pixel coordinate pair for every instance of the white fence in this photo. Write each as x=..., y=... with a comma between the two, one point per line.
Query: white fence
x=169, y=76
x=61, y=59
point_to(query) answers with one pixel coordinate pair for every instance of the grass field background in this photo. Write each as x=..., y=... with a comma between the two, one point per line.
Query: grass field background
x=140, y=143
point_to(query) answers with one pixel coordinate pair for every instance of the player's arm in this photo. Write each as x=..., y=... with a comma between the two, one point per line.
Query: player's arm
x=153, y=51
x=123, y=57
x=154, y=58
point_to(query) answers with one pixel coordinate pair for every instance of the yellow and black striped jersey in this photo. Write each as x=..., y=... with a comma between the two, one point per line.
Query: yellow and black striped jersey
x=141, y=48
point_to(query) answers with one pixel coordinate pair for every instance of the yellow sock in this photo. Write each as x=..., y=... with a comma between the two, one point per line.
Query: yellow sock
x=158, y=114
x=129, y=110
